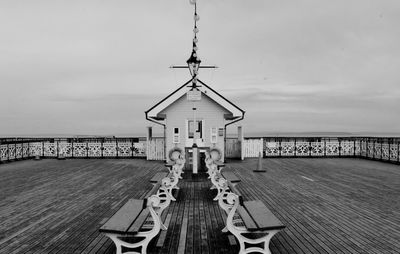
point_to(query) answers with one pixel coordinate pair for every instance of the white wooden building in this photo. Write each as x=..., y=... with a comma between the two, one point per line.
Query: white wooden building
x=198, y=115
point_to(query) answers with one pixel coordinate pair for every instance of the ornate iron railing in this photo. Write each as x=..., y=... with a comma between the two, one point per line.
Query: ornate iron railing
x=24, y=148
x=375, y=148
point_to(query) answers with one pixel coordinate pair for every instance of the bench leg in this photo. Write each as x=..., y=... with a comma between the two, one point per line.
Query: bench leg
x=239, y=232
x=120, y=243
x=165, y=199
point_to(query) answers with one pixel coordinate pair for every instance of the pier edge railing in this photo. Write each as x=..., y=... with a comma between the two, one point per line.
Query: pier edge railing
x=375, y=148
x=385, y=149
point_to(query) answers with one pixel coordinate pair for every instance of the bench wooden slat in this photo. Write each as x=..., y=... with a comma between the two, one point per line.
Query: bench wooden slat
x=134, y=228
x=247, y=219
x=121, y=221
x=158, y=177
x=219, y=164
x=262, y=216
x=230, y=176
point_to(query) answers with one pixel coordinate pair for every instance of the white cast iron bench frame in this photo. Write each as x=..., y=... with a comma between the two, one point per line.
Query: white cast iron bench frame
x=129, y=220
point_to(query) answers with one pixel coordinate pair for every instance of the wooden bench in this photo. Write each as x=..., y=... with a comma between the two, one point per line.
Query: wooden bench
x=176, y=165
x=169, y=166
x=220, y=165
x=226, y=188
x=129, y=220
x=220, y=185
x=257, y=219
x=170, y=181
x=213, y=161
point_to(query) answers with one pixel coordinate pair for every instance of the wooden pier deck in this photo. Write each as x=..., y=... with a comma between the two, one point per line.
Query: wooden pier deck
x=328, y=205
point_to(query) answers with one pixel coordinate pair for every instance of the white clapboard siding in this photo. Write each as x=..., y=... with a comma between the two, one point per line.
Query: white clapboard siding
x=252, y=147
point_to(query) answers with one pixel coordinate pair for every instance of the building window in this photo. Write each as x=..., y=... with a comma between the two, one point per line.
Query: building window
x=214, y=132
x=192, y=130
x=176, y=136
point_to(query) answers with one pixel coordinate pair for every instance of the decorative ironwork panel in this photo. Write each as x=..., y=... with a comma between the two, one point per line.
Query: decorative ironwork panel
x=25, y=150
x=317, y=148
x=357, y=147
x=271, y=149
x=35, y=149
x=94, y=149
x=287, y=148
x=385, y=151
x=50, y=149
x=139, y=149
x=11, y=151
x=302, y=149
x=3, y=152
x=18, y=151
x=79, y=149
x=332, y=148
x=364, y=148
x=370, y=149
x=124, y=149
x=378, y=151
x=65, y=149
x=347, y=148
x=110, y=149
x=394, y=152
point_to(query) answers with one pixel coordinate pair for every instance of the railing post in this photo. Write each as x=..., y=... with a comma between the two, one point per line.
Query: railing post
x=116, y=147
x=280, y=147
x=340, y=147
x=295, y=147
x=8, y=152
x=58, y=152
x=102, y=148
x=132, y=148
x=373, y=149
x=324, y=147
x=398, y=151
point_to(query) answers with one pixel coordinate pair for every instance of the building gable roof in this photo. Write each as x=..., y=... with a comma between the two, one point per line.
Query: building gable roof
x=235, y=111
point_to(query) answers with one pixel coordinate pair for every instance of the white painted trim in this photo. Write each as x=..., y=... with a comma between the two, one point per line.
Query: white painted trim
x=212, y=95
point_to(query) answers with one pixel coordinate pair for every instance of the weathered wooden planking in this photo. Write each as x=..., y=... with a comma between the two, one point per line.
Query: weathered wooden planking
x=325, y=216
x=349, y=207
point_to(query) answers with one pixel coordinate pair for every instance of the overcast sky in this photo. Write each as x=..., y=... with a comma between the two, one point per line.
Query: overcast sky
x=94, y=67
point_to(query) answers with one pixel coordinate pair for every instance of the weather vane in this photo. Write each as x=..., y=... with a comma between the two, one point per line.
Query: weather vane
x=193, y=63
